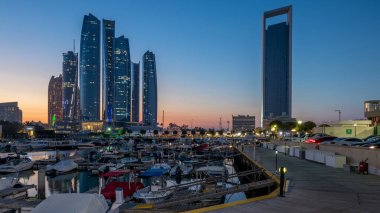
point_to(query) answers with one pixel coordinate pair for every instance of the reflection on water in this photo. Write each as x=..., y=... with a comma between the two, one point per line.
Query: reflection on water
x=75, y=182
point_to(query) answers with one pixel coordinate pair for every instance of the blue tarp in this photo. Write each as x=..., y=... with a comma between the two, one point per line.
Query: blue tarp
x=154, y=172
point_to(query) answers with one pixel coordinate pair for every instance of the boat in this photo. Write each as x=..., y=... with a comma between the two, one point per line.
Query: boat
x=111, y=163
x=8, y=182
x=87, y=145
x=129, y=160
x=63, y=145
x=185, y=169
x=73, y=202
x=213, y=170
x=152, y=194
x=123, y=179
x=62, y=167
x=21, y=146
x=17, y=165
x=40, y=144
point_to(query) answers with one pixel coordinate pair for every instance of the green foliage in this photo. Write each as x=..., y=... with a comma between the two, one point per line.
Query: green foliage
x=10, y=129
x=143, y=132
x=308, y=126
x=278, y=123
x=155, y=132
x=288, y=126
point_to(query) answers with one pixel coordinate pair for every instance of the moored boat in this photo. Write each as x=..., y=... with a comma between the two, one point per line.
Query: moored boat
x=62, y=167
x=17, y=165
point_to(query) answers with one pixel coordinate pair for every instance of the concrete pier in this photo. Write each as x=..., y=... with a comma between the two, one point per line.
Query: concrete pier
x=314, y=187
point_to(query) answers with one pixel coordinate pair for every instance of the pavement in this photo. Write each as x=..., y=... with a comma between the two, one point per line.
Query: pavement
x=314, y=187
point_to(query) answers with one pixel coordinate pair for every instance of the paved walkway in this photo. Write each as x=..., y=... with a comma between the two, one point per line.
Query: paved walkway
x=315, y=188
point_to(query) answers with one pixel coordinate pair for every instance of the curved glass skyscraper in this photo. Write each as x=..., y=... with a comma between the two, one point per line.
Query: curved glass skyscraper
x=149, y=89
x=135, y=102
x=122, y=83
x=108, y=69
x=90, y=69
x=70, y=87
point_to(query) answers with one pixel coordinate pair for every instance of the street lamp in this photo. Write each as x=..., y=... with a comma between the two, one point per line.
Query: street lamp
x=276, y=159
x=299, y=129
x=355, y=125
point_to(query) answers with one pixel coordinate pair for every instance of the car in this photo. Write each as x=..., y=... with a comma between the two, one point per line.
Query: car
x=311, y=138
x=321, y=139
x=372, y=145
x=371, y=141
x=336, y=140
x=349, y=141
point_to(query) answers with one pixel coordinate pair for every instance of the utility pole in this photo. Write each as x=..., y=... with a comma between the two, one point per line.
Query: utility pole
x=220, y=123
x=163, y=119
x=228, y=125
x=191, y=124
x=339, y=112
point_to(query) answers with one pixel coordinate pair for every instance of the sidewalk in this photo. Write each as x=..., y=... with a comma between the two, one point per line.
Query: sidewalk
x=315, y=188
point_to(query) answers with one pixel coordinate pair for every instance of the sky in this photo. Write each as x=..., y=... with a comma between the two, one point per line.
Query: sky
x=208, y=54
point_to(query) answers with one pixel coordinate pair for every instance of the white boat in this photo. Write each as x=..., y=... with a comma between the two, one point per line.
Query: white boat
x=73, y=202
x=39, y=144
x=7, y=182
x=161, y=166
x=213, y=170
x=63, y=166
x=185, y=168
x=152, y=194
x=63, y=145
x=17, y=165
x=21, y=146
x=191, y=187
x=129, y=160
x=87, y=145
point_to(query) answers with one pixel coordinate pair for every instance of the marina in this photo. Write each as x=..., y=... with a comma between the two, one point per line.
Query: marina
x=135, y=173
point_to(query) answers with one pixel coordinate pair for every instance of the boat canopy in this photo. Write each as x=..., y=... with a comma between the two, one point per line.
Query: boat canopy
x=72, y=202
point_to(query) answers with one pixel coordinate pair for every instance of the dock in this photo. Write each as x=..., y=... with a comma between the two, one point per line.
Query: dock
x=313, y=187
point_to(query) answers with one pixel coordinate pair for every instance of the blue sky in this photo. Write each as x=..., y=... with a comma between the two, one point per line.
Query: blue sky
x=208, y=53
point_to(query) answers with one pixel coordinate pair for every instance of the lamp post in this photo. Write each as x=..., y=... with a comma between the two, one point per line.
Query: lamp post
x=355, y=125
x=276, y=160
x=299, y=129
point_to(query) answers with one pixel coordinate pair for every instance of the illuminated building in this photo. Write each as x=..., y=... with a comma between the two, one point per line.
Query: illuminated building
x=122, y=83
x=149, y=90
x=10, y=111
x=135, y=102
x=55, y=110
x=108, y=69
x=243, y=123
x=90, y=69
x=70, y=88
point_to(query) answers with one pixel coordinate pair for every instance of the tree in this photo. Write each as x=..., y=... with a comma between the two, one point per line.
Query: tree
x=10, y=129
x=143, y=132
x=288, y=126
x=166, y=132
x=277, y=123
x=129, y=131
x=308, y=126
x=324, y=125
x=175, y=132
x=211, y=132
x=184, y=132
x=193, y=132
x=202, y=132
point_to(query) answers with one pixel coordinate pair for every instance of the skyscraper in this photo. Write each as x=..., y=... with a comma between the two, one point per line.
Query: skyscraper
x=108, y=69
x=90, y=69
x=122, y=83
x=149, y=89
x=70, y=87
x=277, y=65
x=55, y=100
x=135, y=102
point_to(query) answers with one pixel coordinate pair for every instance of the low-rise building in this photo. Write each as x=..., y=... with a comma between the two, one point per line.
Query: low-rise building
x=243, y=123
x=10, y=111
x=372, y=111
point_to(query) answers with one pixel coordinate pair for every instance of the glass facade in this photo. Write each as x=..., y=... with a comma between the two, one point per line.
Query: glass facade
x=55, y=100
x=90, y=69
x=149, y=90
x=135, y=102
x=70, y=87
x=122, y=87
x=276, y=74
x=108, y=69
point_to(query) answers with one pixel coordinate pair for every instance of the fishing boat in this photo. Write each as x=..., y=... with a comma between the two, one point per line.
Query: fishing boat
x=17, y=165
x=155, y=179
x=123, y=179
x=62, y=167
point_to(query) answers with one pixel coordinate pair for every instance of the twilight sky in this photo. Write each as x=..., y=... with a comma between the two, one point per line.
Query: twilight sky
x=208, y=53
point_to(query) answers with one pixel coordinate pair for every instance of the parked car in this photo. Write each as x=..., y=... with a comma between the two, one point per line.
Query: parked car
x=370, y=142
x=320, y=139
x=349, y=141
x=336, y=140
x=311, y=138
